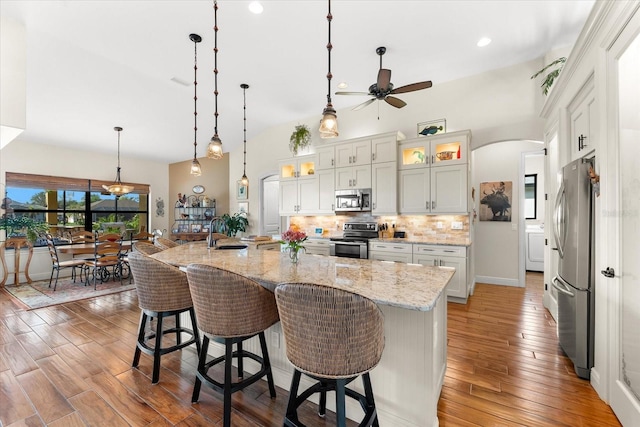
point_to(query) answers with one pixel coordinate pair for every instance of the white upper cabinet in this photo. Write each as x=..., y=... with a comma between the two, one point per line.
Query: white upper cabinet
x=384, y=149
x=384, y=188
x=325, y=157
x=353, y=153
x=297, y=167
x=583, y=115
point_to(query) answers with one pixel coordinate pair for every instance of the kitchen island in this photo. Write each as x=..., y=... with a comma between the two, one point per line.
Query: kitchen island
x=408, y=380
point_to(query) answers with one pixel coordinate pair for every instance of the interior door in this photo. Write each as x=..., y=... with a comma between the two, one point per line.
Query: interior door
x=624, y=167
x=270, y=216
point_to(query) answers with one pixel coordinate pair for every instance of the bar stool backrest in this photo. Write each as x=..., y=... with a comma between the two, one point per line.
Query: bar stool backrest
x=163, y=243
x=329, y=332
x=146, y=247
x=229, y=305
x=160, y=287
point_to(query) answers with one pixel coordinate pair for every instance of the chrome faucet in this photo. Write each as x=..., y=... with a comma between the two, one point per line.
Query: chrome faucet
x=216, y=225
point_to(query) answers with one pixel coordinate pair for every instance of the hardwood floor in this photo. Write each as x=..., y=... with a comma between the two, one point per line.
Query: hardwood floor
x=70, y=365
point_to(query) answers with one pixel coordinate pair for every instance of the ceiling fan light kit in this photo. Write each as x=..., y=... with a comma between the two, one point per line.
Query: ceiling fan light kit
x=118, y=188
x=214, y=149
x=329, y=121
x=382, y=89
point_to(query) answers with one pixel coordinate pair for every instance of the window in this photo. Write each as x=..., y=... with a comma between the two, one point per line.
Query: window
x=68, y=204
x=530, y=196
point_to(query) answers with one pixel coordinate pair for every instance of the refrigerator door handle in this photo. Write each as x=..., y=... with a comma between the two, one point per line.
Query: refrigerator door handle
x=558, y=217
x=557, y=283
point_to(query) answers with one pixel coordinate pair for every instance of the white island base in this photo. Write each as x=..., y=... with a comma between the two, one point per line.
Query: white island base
x=406, y=383
x=408, y=380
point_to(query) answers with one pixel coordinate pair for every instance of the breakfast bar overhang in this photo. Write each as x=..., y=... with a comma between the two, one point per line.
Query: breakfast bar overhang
x=408, y=380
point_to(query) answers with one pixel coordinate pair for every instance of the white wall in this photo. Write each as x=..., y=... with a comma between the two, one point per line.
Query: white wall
x=498, y=105
x=497, y=243
x=41, y=159
x=13, y=80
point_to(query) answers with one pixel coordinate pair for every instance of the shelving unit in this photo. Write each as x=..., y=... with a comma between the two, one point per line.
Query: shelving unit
x=192, y=217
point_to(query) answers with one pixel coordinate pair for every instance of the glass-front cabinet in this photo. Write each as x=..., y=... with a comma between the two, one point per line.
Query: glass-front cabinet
x=298, y=167
x=436, y=150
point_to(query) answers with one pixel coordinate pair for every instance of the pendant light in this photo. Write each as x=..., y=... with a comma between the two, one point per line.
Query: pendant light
x=329, y=122
x=245, y=180
x=118, y=188
x=196, y=170
x=214, y=150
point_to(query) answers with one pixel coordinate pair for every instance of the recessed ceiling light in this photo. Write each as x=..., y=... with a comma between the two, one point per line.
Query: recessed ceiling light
x=256, y=7
x=343, y=85
x=483, y=42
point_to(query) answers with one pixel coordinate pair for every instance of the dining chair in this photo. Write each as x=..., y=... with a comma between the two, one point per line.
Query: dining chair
x=57, y=265
x=106, y=255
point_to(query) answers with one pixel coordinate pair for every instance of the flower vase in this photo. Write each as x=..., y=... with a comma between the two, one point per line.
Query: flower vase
x=293, y=254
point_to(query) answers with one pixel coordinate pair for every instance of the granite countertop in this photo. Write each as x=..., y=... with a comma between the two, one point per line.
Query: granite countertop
x=408, y=286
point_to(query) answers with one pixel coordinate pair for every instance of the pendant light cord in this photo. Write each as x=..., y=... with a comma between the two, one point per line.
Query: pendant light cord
x=215, y=65
x=244, y=108
x=195, y=99
x=329, y=47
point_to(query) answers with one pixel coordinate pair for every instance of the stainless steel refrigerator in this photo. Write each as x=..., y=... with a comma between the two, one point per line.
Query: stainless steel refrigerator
x=573, y=231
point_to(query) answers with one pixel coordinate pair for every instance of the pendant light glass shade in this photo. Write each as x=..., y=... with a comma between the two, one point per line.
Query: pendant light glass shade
x=196, y=170
x=329, y=121
x=214, y=150
x=244, y=180
x=118, y=188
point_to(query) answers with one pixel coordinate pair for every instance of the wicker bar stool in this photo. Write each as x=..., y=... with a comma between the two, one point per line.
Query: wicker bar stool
x=163, y=243
x=233, y=308
x=332, y=336
x=163, y=291
x=146, y=248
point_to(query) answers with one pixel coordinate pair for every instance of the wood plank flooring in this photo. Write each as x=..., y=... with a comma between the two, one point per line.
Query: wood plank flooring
x=70, y=365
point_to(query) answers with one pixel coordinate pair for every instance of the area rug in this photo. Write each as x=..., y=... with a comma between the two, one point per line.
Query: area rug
x=39, y=294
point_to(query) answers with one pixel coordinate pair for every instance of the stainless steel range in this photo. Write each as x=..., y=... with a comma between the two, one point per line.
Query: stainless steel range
x=355, y=240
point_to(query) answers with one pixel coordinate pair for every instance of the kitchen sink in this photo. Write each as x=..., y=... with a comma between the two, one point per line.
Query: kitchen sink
x=231, y=247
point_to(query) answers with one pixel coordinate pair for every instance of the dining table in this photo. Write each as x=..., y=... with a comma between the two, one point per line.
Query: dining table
x=86, y=248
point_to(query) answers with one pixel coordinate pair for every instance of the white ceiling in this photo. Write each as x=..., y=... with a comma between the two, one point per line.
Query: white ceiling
x=93, y=65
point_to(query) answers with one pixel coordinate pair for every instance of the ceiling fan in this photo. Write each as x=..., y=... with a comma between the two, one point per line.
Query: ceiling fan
x=383, y=88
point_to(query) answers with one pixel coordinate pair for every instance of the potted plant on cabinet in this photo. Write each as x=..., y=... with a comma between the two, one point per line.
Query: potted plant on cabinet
x=300, y=138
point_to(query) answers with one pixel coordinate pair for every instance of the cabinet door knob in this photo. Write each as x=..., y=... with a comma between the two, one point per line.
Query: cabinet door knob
x=373, y=156
x=332, y=162
x=433, y=204
x=581, y=143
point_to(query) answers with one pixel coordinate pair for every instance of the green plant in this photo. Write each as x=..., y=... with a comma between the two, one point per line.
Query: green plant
x=236, y=222
x=300, y=138
x=551, y=76
x=23, y=225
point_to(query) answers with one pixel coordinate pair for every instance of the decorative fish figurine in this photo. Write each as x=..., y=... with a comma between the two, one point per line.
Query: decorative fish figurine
x=430, y=130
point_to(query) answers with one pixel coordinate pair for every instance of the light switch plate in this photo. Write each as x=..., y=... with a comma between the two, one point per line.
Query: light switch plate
x=456, y=225
x=439, y=225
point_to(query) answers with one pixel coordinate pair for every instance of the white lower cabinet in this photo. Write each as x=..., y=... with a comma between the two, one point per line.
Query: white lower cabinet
x=317, y=247
x=447, y=256
x=398, y=252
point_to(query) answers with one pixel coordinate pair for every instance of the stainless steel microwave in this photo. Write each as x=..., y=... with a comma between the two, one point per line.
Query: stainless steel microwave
x=353, y=200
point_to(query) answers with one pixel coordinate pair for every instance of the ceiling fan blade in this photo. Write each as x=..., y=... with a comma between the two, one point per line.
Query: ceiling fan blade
x=412, y=87
x=384, y=78
x=364, y=104
x=352, y=93
x=396, y=102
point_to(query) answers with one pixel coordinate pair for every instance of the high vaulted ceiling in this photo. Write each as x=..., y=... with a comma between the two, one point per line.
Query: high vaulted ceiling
x=93, y=65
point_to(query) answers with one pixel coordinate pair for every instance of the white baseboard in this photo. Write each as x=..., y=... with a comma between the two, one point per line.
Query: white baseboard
x=497, y=281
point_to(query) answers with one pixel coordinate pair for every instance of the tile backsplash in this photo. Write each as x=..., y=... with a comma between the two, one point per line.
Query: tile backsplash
x=413, y=225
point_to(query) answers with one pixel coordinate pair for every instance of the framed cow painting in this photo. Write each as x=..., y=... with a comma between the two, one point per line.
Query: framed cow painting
x=496, y=200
